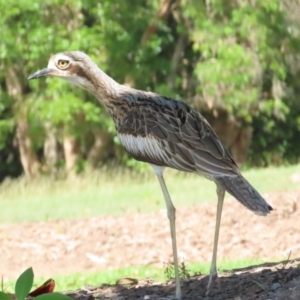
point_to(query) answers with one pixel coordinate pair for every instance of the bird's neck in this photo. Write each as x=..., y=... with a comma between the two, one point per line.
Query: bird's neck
x=103, y=86
x=105, y=89
x=115, y=98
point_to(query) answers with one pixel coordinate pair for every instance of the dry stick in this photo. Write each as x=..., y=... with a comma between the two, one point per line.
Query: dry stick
x=287, y=261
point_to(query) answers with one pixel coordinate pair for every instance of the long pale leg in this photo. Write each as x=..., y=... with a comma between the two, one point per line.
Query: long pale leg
x=213, y=269
x=171, y=215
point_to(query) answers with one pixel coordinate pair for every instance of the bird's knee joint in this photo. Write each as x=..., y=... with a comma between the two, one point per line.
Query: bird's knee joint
x=172, y=213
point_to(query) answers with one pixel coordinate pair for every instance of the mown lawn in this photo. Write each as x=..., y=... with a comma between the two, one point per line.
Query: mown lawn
x=109, y=193
x=76, y=281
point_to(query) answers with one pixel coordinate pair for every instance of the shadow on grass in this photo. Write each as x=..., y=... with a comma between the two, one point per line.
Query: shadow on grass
x=280, y=281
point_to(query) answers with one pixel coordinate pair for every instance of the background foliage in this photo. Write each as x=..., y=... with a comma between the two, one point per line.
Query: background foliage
x=238, y=59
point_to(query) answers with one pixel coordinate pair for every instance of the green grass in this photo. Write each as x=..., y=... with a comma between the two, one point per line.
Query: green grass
x=76, y=281
x=108, y=193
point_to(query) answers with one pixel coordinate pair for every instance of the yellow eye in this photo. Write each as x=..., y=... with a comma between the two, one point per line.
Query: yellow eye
x=63, y=63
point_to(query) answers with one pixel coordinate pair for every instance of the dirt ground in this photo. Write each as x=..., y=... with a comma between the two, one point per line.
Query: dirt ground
x=62, y=247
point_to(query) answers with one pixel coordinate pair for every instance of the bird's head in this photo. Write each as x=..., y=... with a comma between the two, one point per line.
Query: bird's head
x=72, y=66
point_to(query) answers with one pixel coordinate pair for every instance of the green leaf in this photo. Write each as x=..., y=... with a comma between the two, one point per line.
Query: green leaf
x=24, y=284
x=4, y=296
x=53, y=296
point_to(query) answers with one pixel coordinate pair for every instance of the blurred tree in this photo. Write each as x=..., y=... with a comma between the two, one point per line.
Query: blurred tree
x=237, y=62
x=41, y=28
x=242, y=71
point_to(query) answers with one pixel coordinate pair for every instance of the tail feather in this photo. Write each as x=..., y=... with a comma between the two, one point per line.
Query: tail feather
x=245, y=193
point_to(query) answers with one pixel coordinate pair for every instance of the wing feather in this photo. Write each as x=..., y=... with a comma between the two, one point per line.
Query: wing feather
x=186, y=139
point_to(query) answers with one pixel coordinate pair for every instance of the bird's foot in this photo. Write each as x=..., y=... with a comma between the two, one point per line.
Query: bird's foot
x=178, y=296
x=213, y=277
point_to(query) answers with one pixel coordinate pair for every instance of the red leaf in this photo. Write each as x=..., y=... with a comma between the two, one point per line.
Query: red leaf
x=47, y=287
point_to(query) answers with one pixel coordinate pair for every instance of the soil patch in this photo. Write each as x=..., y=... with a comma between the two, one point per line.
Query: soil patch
x=71, y=246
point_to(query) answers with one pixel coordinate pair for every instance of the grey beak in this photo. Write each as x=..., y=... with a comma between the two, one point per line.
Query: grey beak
x=40, y=73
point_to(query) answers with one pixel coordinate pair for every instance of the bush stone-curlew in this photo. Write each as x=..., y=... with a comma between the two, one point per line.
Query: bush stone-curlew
x=165, y=133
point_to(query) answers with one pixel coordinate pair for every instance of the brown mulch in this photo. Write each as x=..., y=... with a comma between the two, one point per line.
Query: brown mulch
x=62, y=247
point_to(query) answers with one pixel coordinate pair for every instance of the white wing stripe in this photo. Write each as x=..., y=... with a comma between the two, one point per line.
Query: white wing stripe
x=143, y=145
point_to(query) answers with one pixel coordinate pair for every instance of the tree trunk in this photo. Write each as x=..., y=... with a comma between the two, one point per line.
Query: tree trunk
x=235, y=136
x=100, y=147
x=176, y=59
x=165, y=9
x=240, y=146
x=28, y=157
x=72, y=154
x=51, y=149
